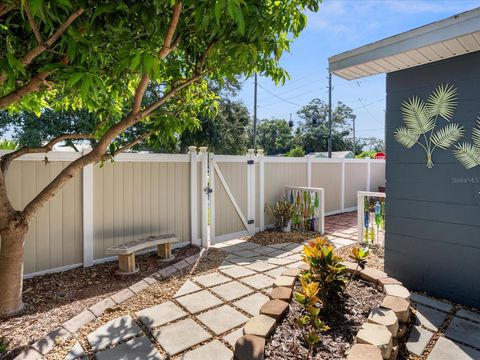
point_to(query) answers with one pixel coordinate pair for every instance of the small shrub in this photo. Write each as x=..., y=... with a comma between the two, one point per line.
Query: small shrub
x=325, y=268
x=3, y=346
x=359, y=255
x=283, y=212
x=309, y=320
x=297, y=151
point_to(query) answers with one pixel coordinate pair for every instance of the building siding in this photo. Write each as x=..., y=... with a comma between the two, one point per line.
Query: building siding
x=433, y=215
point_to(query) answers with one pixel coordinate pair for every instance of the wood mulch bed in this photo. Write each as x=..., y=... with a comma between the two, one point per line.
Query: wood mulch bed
x=55, y=298
x=375, y=257
x=272, y=236
x=344, y=318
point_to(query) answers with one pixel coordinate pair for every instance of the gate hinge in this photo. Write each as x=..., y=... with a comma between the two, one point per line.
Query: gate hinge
x=250, y=162
x=251, y=222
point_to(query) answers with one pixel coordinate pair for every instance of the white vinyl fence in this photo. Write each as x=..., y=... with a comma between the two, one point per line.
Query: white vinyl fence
x=202, y=197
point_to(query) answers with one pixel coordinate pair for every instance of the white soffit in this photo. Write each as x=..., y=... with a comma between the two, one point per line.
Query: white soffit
x=454, y=36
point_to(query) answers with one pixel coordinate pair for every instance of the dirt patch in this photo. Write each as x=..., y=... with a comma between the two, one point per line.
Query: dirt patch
x=374, y=259
x=54, y=298
x=270, y=237
x=344, y=318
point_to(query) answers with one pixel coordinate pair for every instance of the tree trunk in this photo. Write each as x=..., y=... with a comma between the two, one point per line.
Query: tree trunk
x=11, y=270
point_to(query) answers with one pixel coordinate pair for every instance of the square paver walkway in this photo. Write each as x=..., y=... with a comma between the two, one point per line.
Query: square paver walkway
x=430, y=318
x=446, y=349
x=261, y=266
x=211, y=279
x=187, y=288
x=222, y=319
x=180, y=336
x=159, y=315
x=252, y=303
x=465, y=331
x=199, y=301
x=214, y=350
x=232, y=337
x=236, y=271
x=258, y=281
x=113, y=332
x=231, y=290
x=135, y=349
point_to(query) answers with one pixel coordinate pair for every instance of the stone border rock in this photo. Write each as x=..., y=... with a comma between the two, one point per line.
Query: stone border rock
x=43, y=346
x=376, y=339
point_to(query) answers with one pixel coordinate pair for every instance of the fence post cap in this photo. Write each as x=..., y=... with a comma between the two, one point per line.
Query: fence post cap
x=251, y=151
x=192, y=149
x=203, y=149
x=260, y=152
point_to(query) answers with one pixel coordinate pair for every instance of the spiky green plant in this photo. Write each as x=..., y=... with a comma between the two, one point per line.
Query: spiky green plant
x=7, y=144
x=469, y=154
x=420, y=118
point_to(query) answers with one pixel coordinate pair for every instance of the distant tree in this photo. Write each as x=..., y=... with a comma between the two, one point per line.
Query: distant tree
x=223, y=133
x=375, y=144
x=274, y=136
x=297, y=151
x=312, y=132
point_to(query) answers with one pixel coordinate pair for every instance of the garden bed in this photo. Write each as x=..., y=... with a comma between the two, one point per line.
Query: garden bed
x=52, y=299
x=344, y=318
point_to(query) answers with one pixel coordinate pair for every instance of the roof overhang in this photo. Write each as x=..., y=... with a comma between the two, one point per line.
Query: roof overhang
x=454, y=36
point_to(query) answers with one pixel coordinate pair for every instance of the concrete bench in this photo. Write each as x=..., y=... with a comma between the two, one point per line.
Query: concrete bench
x=126, y=252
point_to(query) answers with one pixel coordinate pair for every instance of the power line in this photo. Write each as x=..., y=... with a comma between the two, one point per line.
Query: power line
x=279, y=97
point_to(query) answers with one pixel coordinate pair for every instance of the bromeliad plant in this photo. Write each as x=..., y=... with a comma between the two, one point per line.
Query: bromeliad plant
x=421, y=118
x=309, y=320
x=283, y=211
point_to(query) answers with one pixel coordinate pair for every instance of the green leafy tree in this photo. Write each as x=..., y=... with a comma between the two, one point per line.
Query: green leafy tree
x=101, y=56
x=297, y=151
x=274, y=136
x=312, y=132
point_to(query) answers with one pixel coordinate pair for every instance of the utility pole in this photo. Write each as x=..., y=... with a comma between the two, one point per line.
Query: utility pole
x=329, y=114
x=255, y=114
x=354, y=144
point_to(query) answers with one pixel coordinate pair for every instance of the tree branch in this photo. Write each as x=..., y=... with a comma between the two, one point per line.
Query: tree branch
x=4, y=8
x=17, y=94
x=141, y=88
x=128, y=146
x=33, y=24
x=205, y=55
x=32, y=54
x=167, y=42
x=7, y=159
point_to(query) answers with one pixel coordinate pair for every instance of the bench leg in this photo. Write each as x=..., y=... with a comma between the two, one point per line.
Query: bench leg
x=126, y=264
x=165, y=252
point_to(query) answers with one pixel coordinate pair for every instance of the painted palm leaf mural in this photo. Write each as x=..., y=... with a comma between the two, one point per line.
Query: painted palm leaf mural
x=469, y=153
x=421, y=119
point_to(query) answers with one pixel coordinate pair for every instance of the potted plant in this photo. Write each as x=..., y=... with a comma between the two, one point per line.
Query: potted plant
x=283, y=212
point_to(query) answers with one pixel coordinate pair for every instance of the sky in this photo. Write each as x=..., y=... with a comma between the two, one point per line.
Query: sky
x=338, y=26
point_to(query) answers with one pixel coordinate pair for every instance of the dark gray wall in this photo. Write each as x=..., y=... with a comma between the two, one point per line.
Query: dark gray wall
x=433, y=215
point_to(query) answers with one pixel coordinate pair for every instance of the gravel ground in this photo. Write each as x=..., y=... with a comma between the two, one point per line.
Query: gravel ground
x=345, y=318
x=54, y=298
x=270, y=237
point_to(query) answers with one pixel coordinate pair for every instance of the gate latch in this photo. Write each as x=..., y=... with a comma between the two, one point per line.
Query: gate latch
x=208, y=190
x=250, y=162
x=251, y=222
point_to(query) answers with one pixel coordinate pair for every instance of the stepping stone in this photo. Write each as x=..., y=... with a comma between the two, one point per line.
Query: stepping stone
x=232, y=337
x=166, y=272
x=180, y=336
x=294, y=248
x=181, y=265
x=284, y=254
x=139, y=286
x=260, y=325
x=264, y=250
x=279, y=253
x=187, y=288
x=284, y=281
x=199, y=301
x=258, y=281
x=469, y=315
x=246, y=253
x=364, y=352
x=99, y=308
x=241, y=261
x=135, y=349
x=465, y=331
x=372, y=275
x=113, y=332
x=274, y=308
x=377, y=335
x=159, y=315
x=275, y=273
x=295, y=265
x=214, y=350
x=248, y=245
x=430, y=318
x=261, y=266
x=79, y=320
x=291, y=272
x=211, y=279
x=399, y=306
x=295, y=257
x=388, y=281
x=192, y=259
x=250, y=347
x=446, y=349
x=281, y=293
x=236, y=271
x=231, y=291
x=429, y=301
x=280, y=246
x=281, y=261
x=340, y=242
x=397, y=290
x=222, y=319
x=225, y=265
x=48, y=342
x=386, y=318
x=76, y=352
x=252, y=303
x=418, y=340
